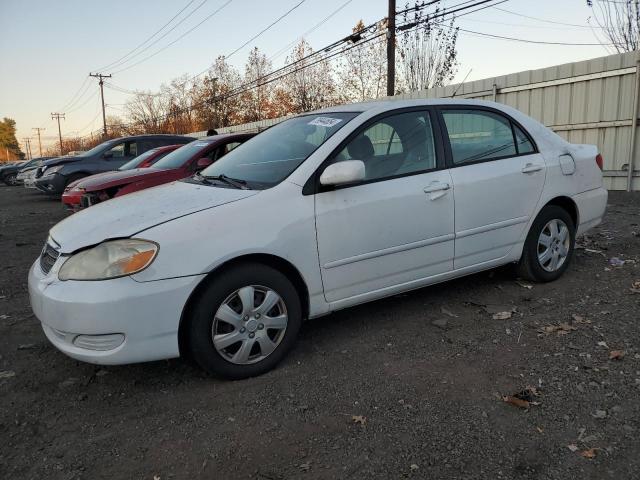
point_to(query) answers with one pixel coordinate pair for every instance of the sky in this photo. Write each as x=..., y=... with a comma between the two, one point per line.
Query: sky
x=48, y=48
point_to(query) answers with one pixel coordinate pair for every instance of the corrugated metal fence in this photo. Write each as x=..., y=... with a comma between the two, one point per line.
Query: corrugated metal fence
x=594, y=101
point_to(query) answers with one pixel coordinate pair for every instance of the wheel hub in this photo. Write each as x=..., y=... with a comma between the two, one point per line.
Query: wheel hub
x=252, y=325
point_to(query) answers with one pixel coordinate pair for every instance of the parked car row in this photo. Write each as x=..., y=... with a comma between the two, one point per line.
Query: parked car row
x=320, y=212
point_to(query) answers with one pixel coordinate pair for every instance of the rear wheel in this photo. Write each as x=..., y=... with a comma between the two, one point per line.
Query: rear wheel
x=11, y=179
x=243, y=323
x=549, y=246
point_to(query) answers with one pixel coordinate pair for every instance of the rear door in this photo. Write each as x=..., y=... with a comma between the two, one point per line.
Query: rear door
x=498, y=176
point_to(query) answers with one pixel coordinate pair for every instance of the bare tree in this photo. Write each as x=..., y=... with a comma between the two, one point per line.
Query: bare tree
x=428, y=54
x=216, y=104
x=310, y=85
x=177, y=97
x=148, y=113
x=255, y=101
x=619, y=22
x=362, y=71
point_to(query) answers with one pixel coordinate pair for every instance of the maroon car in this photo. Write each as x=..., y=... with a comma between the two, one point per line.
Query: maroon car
x=179, y=164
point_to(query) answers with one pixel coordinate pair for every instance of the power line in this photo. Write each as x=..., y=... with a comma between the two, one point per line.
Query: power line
x=75, y=94
x=523, y=40
x=148, y=38
x=248, y=41
x=121, y=63
x=310, y=31
x=264, y=30
x=541, y=19
x=87, y=100
x=174, y=41
x=79, y=97
x=355, y=39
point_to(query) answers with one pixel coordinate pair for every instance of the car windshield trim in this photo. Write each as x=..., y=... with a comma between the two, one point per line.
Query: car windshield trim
x=270, y=157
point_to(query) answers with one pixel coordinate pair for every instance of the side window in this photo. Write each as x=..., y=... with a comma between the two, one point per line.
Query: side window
x=146, y=145
x=117, y=152
x=522, y=141
x=395, y=145
x=122, y=150
x=477, y=135
x=232, y=145
x=131, y=149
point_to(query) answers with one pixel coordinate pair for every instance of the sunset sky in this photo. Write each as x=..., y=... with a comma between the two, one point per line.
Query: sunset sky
x=48, y=48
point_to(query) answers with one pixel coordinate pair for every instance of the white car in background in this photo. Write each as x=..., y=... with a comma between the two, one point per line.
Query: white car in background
x=318, y=213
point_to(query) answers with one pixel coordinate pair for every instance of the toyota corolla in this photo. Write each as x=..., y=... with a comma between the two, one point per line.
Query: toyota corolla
x=318, y=213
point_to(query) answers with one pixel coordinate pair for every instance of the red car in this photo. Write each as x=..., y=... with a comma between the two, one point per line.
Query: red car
x=75, y=190
x=179, y=164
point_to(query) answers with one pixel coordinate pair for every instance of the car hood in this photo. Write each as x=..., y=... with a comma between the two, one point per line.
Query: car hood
x=130, y=214
x=60, y=160
x=122, y=177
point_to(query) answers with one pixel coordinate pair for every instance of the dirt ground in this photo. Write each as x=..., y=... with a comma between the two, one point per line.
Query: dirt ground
x=408, y=387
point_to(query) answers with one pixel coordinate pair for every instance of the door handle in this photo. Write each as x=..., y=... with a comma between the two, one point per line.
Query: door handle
x=530, y=168
x=436, y=187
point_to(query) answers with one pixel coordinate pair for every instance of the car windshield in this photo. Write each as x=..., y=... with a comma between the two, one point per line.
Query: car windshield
x=271, y=156
x=178, y=157
x=97, y=149
x=131, y=164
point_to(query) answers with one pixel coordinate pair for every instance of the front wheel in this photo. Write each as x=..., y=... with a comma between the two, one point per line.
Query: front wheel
x=244, y=322
x=549, y=246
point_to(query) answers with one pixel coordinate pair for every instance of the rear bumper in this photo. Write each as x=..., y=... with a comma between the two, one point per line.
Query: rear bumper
x=110, y=322
x=591, y=207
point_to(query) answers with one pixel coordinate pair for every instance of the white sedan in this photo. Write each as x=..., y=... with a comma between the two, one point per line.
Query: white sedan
x=321, y=212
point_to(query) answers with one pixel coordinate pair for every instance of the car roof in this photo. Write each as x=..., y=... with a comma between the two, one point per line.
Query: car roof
x=222, y=136
x=150, y=136
x=542, y=135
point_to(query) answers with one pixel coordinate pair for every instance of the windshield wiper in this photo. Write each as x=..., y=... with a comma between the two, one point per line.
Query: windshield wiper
x=234, y=182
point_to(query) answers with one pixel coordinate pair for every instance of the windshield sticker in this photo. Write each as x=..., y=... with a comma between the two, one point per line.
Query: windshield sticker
x=325, y=122
x=200, y=144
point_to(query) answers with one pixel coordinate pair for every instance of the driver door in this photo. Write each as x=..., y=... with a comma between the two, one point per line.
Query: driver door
x=394, y=229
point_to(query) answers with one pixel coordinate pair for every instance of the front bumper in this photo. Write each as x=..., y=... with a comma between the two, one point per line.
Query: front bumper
x=110, y=322
x=51, y=184
x=72, y=199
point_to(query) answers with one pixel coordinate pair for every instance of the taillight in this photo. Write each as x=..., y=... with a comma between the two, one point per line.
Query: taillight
x=600, y=161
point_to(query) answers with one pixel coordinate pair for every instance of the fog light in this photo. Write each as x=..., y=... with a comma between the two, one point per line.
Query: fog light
x=99, y=342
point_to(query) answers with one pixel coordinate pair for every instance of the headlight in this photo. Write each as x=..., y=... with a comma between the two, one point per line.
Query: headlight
x=51, y=170
x=111, y=259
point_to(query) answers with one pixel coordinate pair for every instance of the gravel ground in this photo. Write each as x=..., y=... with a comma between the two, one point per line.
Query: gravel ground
x=408, y=387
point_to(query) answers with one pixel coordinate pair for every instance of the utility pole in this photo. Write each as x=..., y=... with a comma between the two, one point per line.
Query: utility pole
x=38, y=129
x=101, y=83
x=26, y=147
x=58, y=116
x=391, y=49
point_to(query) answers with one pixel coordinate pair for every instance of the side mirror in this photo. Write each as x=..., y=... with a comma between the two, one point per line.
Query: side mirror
x=341, y=173
x=107, y=155
x=203, y=162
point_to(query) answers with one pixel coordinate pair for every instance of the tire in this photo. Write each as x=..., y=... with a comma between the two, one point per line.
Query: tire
x=241, y=345
x=11, y=180
x=537, y=261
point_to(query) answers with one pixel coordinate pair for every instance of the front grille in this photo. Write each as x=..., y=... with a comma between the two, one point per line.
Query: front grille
x=48, y=257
